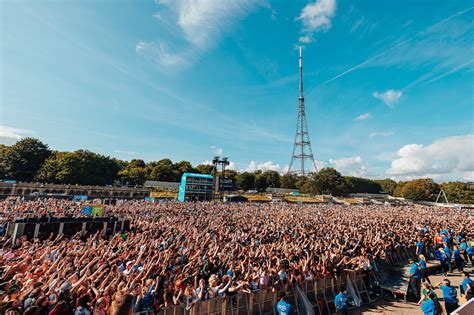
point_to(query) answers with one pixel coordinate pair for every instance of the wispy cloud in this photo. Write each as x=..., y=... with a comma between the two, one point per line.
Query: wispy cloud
x=381, y=134
x=316, y=17
x=160, y=53
x=10, y=135
x=200, y=23
x=363, y=117
x=203, y=22
x=389, y=57
x=217, y=151
x=389, y=97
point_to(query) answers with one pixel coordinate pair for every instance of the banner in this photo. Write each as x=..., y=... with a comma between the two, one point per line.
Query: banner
x=98, y=211
x=87, y=210
x=93, y=210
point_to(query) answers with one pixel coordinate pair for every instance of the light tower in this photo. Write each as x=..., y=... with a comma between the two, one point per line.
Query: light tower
x=302, y=146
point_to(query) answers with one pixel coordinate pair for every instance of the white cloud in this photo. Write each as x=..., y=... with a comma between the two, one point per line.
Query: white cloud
x=306, y=39
x=217, y=151
x=363, y=117
x=231, y=166
x=352, y=166
x=389, y=97
x=381, y=134
x=449, y=157
x=157, y=16
x=160, y=53
x=265, y=166
x=203, y=22
x=315, y=17
x=9, y=135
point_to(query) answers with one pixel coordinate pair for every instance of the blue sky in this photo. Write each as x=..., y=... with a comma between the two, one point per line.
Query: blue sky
x=388, y=84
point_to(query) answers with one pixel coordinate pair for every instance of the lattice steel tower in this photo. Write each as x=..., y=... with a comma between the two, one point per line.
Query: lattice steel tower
x=302, y=146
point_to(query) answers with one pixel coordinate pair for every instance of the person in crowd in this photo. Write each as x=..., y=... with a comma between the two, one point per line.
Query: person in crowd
x=185, y=253
x=428, y=307
x=423, y=269
x=283, y=307
x=449, y=296
x=448, y=253
x=458, y=262
x=443, y=260
x=122, y=305
x=427, y=288
x=420, y=247
x=415, y=278
x=341, y=301
x=467, y=286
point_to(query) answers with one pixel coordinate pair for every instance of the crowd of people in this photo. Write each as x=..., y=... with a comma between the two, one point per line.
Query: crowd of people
x=183, y=253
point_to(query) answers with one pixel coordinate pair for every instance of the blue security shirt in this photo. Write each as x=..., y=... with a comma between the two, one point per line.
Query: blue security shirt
x=449, y=294
x=470, y=250
x=414, y=272
x=420, y=246
x=428, y=307
x=464, y=284
x=441, y=256
x=284, y=308
x=422, y=264
x=447, y=251
x=341, y=302
x=463, y=245
x=456, y=254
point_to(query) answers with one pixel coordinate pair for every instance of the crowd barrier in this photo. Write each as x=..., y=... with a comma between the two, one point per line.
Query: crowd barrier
x=314, y=297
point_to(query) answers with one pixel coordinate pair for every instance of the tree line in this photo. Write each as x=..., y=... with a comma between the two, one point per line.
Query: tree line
x=31, y=160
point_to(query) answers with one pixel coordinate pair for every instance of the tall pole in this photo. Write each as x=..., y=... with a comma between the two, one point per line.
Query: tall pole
x=302, y=145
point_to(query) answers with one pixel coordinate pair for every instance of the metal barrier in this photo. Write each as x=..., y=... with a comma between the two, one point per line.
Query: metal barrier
x=309, y=297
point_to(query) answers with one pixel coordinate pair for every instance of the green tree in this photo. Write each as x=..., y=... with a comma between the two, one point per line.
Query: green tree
x=273, y=178
x=245, y=181
x=289, y=180
x=163, y=170
x=398, y=190
x=184, y=167
x=261, y=182
x=305, y=185
x=420, y=189
x=79, y=167
x=388, y=185
x=22, y=160
x=361, y=185
x=231, y=174
x=328, y=181
x=204, y=168
x=458, y=192
x=133, y=173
